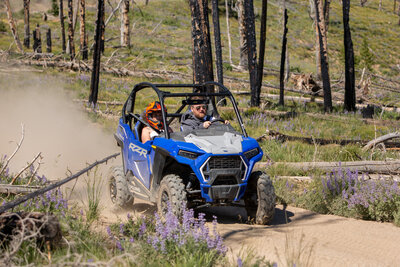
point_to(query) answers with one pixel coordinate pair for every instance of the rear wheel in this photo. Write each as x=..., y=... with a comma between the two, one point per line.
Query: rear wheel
x=171, y=192
x=118, y=188
x=260, y=198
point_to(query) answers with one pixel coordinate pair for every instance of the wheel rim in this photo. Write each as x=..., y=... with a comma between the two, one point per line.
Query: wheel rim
x=164, y=202
x=113, y=190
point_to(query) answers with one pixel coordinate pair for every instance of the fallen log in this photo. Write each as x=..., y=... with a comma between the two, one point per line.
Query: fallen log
x=309, y=140
x=383, y=167
x=17, y=189
x=381, y=139
x=366, y=176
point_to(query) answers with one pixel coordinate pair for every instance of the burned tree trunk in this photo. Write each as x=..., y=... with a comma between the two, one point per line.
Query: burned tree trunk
x=125, y=38
x=261, y=55
x=283, y=55
x=252, y=51
x=82, y=32
x=350, y=91
x=13, y=27
x=244, y=58
x=37, y=40
x=201, y=43
x=61, y=13
x=103, y=27
x=323, y=55
x=217, y=41
x=48, y=40
x=94, y=83
x=327, y=4
x=71, y=30
x=27, y=33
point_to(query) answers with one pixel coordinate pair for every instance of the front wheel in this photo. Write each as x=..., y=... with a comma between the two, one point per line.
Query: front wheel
x=260, y=198
x=171, y=195
x=118, y=188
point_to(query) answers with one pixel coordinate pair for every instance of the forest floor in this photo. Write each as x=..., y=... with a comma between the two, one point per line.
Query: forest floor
x=68, y=140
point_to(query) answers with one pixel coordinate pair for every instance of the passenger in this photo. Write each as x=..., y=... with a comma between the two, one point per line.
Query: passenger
x=196, y=117
x=153, y=116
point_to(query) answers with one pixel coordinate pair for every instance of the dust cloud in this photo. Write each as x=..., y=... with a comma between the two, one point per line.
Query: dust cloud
x=54, y=125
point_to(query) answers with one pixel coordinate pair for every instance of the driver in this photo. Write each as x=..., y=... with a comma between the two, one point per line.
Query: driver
x=153, y=116
x=196, y=117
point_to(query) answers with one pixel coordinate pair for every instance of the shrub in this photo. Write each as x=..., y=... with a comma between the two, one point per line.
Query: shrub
x=346, y=193
x=3, y=27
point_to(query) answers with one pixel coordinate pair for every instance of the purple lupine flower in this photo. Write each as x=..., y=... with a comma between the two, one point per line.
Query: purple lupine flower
x=142, y=229
x=239, y=262
x=119, y=246
x=121, y=228
x=109, y=232
x=131, y=240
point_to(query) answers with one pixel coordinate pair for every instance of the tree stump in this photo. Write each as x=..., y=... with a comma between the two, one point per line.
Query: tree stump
x=40, y=226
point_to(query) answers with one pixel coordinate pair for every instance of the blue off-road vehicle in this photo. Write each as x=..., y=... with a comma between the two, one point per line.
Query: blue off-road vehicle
x=201, y=167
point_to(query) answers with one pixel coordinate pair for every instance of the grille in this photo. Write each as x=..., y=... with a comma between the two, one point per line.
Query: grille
x=230, y=162
x=225, y=180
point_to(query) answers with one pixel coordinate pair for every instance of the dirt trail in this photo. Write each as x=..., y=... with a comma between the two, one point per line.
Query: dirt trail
x=68, y=140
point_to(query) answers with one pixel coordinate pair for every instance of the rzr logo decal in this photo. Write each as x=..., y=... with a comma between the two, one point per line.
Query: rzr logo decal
x=138, y=149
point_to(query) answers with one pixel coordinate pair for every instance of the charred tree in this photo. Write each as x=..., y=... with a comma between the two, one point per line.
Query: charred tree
x=37, y=40
x=61, y=13
x=71, y=44
x=82, y=31
x=27, y=33
x=103, y=27
x=125, y=38
x=94, y=82
x=283, y=55
x=323, y=48
x=13, y=27
x=252, y=51
x=261, y=54
x=48, y=40
x=244, y=58
x=201, y=43
x=327, y=4
x=217, y=41
x=350, y=91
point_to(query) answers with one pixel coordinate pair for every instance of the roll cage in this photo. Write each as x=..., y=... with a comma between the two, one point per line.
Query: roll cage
x=127, y=110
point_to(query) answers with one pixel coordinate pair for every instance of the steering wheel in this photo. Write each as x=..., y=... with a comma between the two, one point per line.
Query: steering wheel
x=217, y=120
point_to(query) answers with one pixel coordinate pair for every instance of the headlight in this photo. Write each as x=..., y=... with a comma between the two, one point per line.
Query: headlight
x=187, y=154
x=251, y=153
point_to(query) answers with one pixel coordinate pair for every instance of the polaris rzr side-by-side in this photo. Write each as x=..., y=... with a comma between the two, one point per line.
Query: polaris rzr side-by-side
x=197, y=168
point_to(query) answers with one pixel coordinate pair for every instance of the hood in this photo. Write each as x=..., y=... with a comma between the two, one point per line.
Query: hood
x=228, y=143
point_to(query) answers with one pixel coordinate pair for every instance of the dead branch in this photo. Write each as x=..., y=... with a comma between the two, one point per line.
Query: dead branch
x=23, y=169
x=22, y=199
x=381, y=139
x=16, y=150
x=36, y=170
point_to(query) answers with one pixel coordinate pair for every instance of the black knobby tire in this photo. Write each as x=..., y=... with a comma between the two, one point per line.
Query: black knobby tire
x=118, y=188
x=172, y=191
x=260, y=198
